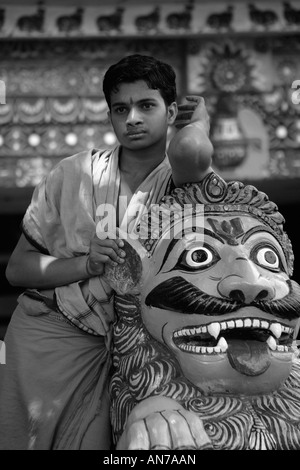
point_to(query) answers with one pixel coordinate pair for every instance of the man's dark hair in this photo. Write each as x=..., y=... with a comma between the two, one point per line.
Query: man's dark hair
x=158, y=76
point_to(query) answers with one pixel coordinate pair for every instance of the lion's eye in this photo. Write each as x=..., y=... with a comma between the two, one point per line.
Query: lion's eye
x=267, y=258
x=197, y=258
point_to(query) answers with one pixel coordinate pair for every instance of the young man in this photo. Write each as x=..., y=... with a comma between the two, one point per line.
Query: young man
x=53, y=387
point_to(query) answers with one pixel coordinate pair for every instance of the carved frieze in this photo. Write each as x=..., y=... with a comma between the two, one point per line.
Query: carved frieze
x=52, y=61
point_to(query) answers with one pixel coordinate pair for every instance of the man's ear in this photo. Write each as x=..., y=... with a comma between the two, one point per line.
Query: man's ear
x=172, y=112
x=125, y=278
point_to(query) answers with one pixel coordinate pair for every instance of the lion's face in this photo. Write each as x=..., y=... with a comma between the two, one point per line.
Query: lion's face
x=209, y=306
x=221, y=300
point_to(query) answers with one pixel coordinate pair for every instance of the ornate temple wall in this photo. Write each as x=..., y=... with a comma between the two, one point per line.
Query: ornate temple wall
x=242, y=59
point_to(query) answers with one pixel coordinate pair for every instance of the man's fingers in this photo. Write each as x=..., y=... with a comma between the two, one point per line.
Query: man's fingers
x=108, y=246
x=105, y=236
x=184, y=114
x=181, y=124
x=106, y=242
x=194, y=102
x=196, y=99
x=186, y=107
x=193, y=110
x=107, y=254
x=101, y=260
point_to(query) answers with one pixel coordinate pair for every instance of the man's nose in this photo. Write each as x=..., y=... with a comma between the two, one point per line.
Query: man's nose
x=133, y=116
x=246, y=284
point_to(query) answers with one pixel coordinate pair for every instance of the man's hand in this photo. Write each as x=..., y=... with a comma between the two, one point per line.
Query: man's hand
x=193, y=111
x=190, y=150
x=107, y=251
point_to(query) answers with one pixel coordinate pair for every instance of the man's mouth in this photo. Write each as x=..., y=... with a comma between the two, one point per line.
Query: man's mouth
x=215, y=337
x=136, y=133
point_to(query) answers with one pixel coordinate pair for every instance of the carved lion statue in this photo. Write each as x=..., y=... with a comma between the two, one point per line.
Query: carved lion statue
x=205, y=353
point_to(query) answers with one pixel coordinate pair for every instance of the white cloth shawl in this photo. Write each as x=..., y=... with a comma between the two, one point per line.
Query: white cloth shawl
x=61, y=220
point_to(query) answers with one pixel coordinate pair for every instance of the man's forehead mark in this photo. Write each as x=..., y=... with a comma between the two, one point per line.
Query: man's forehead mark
x=230, y=230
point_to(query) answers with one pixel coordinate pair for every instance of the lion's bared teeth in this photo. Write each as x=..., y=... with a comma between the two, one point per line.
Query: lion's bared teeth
x=276, y=329
x=214, y=329
x=272, y=343
x=193, y=339
x=222, y=344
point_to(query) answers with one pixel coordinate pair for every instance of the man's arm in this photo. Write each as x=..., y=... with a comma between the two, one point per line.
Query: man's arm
x=30, y=268
x=190, y=150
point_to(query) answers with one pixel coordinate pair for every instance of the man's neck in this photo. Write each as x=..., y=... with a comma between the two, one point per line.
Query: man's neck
x=140, y=162
x=135, y=167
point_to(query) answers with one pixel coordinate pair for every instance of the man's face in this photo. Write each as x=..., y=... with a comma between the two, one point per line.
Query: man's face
x=139, y=115
x=221, y=300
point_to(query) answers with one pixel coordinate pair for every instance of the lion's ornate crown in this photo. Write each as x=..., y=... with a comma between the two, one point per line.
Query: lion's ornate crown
x=213, y=195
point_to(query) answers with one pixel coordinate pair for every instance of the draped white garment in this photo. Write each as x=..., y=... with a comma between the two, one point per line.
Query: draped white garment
x=61, y=220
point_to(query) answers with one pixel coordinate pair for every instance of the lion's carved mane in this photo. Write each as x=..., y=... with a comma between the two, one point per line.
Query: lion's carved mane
x=144, y=368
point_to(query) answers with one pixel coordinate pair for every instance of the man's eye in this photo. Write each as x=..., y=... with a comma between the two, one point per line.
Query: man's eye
x=147, y=106
x=197, y=258
x=267, y=257
x=120, y=110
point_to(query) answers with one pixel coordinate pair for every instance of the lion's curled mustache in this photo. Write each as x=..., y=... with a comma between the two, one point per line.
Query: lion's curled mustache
x=178, y=295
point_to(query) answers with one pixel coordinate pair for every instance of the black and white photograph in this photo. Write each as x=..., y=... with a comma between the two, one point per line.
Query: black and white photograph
x=150, y=240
